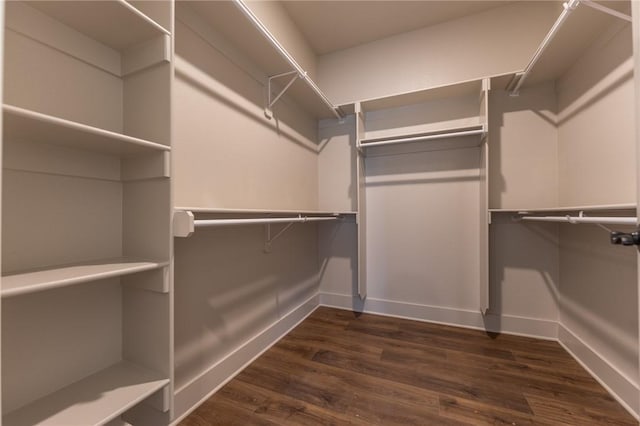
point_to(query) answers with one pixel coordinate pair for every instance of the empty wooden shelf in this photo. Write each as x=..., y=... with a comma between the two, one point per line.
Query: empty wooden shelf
x=93, y=400
x=24, y=125
x=46, y=279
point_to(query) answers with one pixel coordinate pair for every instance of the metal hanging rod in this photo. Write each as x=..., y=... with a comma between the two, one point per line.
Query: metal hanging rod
x=283, y=52
x=582, y=219
x=262, y=220
x=184, y=222
x=366, y=144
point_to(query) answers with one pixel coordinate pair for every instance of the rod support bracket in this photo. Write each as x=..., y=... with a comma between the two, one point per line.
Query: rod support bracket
x=268, y=239
x=183, y=223
x=268, y=112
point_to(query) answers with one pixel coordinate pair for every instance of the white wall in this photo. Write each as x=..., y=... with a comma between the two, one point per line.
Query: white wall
x=226, y=153
x=274, y=16
x=422, y=228
x=498, y=41
x=523, y=142
x=599, y=305
x=524, y=269
x=596, y=152
x=337, y=165
x=227, y=289
x=596, y=124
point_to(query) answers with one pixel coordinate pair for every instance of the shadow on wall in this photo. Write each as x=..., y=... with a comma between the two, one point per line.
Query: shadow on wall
x=227, y=289
x=604, y=67
x=599, y=294
x=204, y=67
x=338, y=259
x=521, y=128
x=524, y=271
x=522, y=143
x=252, y=115
x=337, y=168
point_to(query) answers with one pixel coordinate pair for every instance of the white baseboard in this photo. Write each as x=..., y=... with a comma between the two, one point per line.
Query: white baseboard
x=621, y=387
x=530, y=327
x=207, y=383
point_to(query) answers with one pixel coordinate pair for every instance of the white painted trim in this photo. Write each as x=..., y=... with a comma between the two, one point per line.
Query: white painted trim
x=521, y=326
x=210, y=381
x=621, y=387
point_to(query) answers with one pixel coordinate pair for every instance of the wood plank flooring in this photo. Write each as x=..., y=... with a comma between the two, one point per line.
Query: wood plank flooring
x=341, y=368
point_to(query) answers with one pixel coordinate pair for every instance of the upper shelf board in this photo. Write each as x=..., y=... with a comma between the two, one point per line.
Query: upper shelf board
x=46, y=279
x=205, y=210
x=94, y=400
x=580, y=30
x=230, y=23
x=115, y=23
x=25, y=125
x=463, y=89
x=589, y=208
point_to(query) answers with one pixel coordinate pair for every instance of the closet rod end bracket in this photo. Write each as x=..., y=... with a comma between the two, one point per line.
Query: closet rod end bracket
x=183, y=223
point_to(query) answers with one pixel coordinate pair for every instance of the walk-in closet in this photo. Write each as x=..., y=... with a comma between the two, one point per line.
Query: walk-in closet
x=319, y=212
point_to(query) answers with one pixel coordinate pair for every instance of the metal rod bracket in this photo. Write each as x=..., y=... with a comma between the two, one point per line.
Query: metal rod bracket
x=183, y=223
x=270, y=102
x=268, y=239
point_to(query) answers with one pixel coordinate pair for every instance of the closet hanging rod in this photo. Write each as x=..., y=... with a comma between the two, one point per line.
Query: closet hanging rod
x=261, y=220
x=365, y=144
x=283, y=52
x=568, y=7
x=583, y=219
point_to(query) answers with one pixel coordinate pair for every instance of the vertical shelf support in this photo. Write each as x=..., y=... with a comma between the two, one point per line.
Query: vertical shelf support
x=361, y=217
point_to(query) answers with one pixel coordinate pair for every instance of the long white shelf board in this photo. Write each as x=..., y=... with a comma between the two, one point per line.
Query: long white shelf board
x=462, y=89
x=577, y=33
x=233, y=26
x=46, y=279
x=25, y=125
x=208, y=210
x=93, y=400
x=599, y=207
x=116, y=23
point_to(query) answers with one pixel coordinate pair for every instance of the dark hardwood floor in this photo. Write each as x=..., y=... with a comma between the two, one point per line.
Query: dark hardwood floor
x=339, y=368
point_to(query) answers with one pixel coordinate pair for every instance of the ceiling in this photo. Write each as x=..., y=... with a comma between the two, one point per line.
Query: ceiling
x=329, y=26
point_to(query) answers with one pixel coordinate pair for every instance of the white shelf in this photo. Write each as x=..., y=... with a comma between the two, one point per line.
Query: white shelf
x=116, y=24
x=588, y=208
x=205, y=210
x=34, y=281
x=93, y=400
x=234, y=26
x=25, y=125
x=458, y=90
x=578, y=32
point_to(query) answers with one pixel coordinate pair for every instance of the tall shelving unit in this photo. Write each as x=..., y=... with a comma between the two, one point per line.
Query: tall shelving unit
x=86, y=290
x=449, y=117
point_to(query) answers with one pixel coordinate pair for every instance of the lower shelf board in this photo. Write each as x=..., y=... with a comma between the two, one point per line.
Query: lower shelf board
x=94, y=400
x=45, y=279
